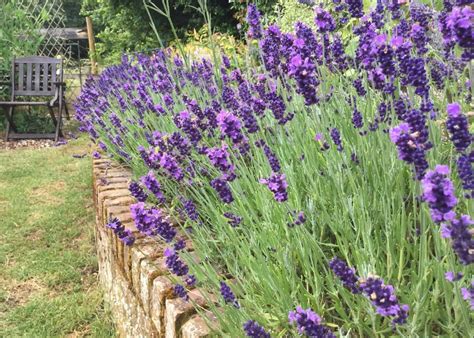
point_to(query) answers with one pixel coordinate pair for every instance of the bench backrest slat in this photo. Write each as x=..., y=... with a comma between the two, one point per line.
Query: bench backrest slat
x=29, y=71
x=36, y=75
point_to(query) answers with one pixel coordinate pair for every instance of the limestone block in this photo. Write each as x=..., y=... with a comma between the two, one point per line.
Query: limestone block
x=162, y=289
x=119, y=201
x=112, y=186
x=178, y=311
x=149, y=270
x=145, y=248
x=195, y=327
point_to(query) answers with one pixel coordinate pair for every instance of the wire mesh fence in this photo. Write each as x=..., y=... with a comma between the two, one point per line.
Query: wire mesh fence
x=52, y=12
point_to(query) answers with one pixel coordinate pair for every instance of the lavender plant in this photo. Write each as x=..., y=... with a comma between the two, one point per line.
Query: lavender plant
x=310, y=150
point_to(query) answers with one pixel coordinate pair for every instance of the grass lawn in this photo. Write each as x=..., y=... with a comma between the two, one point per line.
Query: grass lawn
x=48, y=276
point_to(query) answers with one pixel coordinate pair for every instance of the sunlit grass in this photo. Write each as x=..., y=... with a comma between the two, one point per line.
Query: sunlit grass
x=48, y=277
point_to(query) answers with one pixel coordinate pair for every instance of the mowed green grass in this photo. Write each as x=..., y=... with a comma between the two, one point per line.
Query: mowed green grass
x=48, y=272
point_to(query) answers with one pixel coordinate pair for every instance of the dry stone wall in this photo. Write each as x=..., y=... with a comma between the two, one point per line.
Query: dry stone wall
x=136, y=282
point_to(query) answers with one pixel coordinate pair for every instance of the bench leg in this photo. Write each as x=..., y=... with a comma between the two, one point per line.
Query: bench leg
x=10, y=125
x=51, y=113
x=59, y=121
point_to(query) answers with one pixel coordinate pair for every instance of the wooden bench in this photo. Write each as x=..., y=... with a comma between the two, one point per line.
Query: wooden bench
x=35, y=77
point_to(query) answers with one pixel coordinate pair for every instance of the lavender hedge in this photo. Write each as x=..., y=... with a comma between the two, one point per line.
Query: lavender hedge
x=326, y=183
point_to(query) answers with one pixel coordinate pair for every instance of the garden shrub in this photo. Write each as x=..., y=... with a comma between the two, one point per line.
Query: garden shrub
x=19, y=36
x=326, y=184
x=287, y=12
x=123, y=26
x=198, y=44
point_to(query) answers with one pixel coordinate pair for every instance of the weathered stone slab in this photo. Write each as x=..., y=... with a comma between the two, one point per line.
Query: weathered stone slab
x=145, y=249
x=149, y=270
x=162, y=289
x=195, y=327
x=178, y=311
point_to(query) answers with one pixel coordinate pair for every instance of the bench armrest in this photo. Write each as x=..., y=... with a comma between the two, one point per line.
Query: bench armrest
x=59, y=83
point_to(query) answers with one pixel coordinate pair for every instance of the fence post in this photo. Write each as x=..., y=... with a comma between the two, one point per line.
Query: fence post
x=90, y=37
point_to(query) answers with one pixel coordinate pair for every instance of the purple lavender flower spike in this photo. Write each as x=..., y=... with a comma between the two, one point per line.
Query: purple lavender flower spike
x=247, y=116
x=411, y=147
x=466, y=173
x=277, y=185
x=338, y=53
x=271, y=157
x=179, y=245
x=229, y=98
x=357, y=119
x=358, y=85
x=419, y=38
x=300, y=218
x=190, y=280
x=125, y=235
x=223, y=190
x=394, y=7
x=230, y=126
x=336, y=138
x=174, y=263
x=278, y=107
x=438, y=192
x=377, y=15
x=346, y=274
x=219, y=158
x=152, y=184
x=324, y=21
x=270, y=46
x=228, y=295
x=226, y=61
x=186, y=122
x=253, y=19
x=356, y=8
x=190, y=209
x=309, y=323
x=152, y=222
x=458, y=30
x=384, y=299
x=180, y=292
x=402, y=315
x=137, y=191
x=234, y=220
x=169, y=163
x=462, y=241
x=439, y=73
x=355, y=158
x=458, y=127
x=254, y=330
x=303, y=70
x=308, y=46
x=102, y=146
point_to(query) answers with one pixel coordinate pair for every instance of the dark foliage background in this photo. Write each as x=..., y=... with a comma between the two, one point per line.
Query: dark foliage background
x=124, y=25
